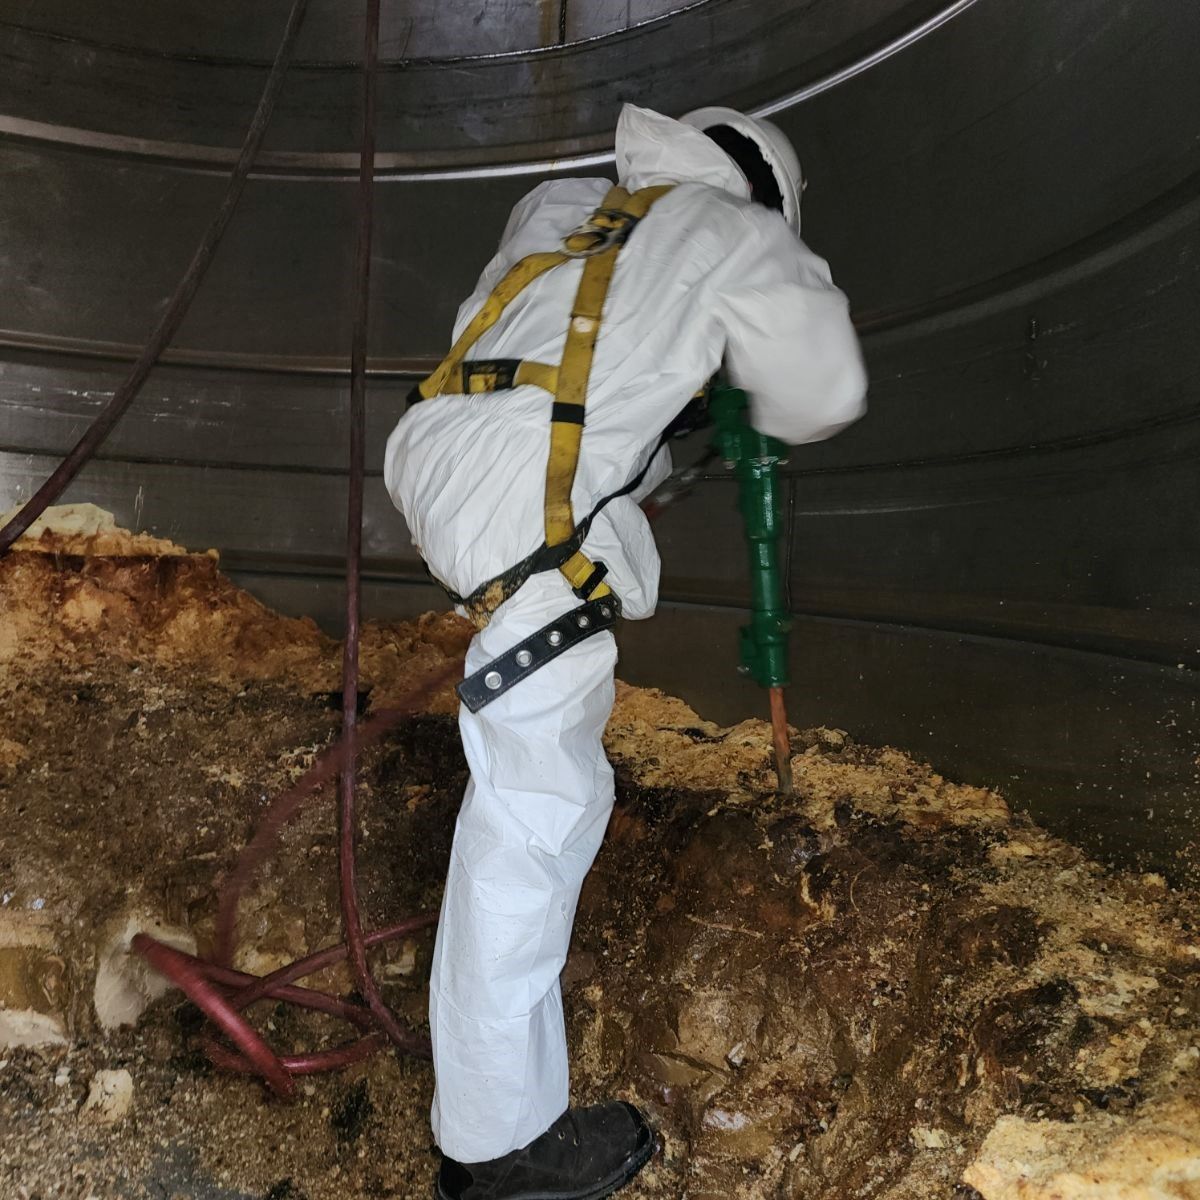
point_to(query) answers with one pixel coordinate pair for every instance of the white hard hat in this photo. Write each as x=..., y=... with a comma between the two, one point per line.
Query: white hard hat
x=772, y=144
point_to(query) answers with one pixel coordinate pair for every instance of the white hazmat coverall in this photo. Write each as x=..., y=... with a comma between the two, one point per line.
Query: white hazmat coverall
x=705, y=276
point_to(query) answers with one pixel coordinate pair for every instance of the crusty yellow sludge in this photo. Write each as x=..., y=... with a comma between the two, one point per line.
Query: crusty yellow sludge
x=884, y=987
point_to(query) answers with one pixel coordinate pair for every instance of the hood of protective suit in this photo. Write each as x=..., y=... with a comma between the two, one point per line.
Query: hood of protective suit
x=652, y=149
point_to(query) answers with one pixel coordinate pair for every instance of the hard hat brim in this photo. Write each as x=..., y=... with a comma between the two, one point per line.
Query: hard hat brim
x=786, y=168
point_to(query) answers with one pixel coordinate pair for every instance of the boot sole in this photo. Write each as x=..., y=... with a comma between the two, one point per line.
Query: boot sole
x=614, y=1183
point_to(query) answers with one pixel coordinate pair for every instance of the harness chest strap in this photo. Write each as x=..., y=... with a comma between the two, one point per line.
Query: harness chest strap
x=515, y=281
x=598, y=242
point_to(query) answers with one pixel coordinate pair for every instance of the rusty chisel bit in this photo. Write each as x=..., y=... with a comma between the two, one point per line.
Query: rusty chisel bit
x=783, y=747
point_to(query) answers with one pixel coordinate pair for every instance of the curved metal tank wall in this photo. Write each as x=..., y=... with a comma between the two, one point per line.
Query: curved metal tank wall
x=998, y=568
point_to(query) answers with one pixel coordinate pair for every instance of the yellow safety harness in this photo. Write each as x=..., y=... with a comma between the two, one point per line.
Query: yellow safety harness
x=598, y=242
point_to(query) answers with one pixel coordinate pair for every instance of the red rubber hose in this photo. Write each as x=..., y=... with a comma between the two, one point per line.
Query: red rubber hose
x=347, y=824
x=219, y=991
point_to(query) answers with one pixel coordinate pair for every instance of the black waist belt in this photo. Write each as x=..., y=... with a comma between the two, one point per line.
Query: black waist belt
x=494, y=679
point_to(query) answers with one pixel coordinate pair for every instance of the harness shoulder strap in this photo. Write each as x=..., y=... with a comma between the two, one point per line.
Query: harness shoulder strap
x=598, y=242
x=516, y=280
x=620, y=212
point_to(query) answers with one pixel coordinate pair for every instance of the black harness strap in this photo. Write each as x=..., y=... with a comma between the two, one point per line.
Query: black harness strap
x=549, y=558
x=553, y=639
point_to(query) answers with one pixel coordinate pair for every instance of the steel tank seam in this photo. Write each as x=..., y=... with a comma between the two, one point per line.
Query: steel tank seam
x=398, y=167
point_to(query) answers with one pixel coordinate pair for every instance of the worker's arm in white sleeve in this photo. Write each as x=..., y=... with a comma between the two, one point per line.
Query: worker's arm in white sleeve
x=657, y=472
x=789, y=340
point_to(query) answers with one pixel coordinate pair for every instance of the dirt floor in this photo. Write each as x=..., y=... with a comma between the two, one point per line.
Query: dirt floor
x=886, y=987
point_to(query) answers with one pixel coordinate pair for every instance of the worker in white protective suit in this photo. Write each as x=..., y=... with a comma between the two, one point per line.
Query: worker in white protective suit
x=626, y=301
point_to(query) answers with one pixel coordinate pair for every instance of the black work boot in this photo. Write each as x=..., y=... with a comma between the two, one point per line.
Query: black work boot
x=587, y=1153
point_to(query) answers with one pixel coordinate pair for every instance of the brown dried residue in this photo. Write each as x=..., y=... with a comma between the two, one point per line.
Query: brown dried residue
x=846, y=1009
x=397, y=657
x=1154, y=1155
x=173, y=610
x=11, y=753
x=88, y=530
x=886, y=987
x=84, y=591
x=666, y=744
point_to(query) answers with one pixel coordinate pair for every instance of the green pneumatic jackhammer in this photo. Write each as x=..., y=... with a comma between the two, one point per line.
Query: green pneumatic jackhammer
x=754, y=459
